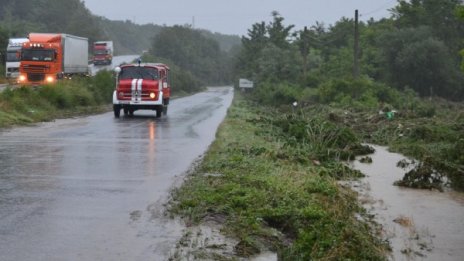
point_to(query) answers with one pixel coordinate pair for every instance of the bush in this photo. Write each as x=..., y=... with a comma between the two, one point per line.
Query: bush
x=364, y=94
x=29, y=104
x=102, y=86
x=270, y=93
x=57, y=95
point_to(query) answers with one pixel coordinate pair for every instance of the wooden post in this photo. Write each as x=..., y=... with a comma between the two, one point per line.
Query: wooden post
x=356, y=46
x=305, y=51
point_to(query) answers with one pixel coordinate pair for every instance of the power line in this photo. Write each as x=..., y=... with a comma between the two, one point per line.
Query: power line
x=381, y=8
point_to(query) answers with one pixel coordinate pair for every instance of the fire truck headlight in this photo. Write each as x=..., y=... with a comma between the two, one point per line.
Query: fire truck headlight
x=50, y=79
x=152, y=95
x=22, y=78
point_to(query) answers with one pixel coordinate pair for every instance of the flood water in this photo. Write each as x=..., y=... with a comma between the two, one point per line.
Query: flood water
x=419, y=224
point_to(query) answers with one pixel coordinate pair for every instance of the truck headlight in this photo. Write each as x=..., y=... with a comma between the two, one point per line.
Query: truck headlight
x=50, y=79
x=22, y=78
x=152, y=95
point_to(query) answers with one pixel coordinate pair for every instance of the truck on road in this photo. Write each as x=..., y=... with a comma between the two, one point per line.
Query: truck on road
x=142, y=86
x=13, y=57
x=103, y=53
x=47, y=58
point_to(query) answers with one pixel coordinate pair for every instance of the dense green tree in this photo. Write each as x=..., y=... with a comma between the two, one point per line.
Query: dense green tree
x=20, y=17
x=252, y=45
x=268, y=52
x=278, y=33
x=416, y=49
x=439, y=15
x=3, y=44
x=372, y=58
x=278, y=64
x=460, y=15
x=70, y=16
x=192, y=51
x=226, y=42
x=3, y=39
x=416, y=59
x=124, y=33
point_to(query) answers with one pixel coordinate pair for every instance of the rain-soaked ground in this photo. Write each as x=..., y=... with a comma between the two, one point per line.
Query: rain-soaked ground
x=419, y=224
x=93, y=188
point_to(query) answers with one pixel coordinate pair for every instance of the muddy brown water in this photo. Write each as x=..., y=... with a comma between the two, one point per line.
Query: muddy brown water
x=419, y=224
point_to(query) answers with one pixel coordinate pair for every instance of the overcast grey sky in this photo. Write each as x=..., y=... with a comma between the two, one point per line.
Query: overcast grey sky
x=237, y=16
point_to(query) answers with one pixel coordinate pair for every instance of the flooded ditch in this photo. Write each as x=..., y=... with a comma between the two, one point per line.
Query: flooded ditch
x=206, y=242
x=418, y=224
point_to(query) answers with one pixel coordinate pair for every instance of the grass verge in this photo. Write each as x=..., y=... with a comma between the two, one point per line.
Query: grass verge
x=271, y=179
x=25, y=105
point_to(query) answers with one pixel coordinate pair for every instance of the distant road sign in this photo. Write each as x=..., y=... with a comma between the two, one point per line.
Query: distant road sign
x=244, y=83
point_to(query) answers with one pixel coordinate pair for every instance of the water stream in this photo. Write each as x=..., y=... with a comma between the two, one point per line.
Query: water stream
x=419, y=224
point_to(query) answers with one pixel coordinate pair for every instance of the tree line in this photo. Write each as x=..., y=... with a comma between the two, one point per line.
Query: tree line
x=416, y=49
x=199, y=57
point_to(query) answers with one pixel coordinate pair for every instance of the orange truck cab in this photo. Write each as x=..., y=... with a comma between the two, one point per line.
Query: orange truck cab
x=142, y=86
x=46, y=58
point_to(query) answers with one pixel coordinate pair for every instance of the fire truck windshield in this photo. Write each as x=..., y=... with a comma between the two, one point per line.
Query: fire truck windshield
x=37, y=55
x=139, y=72
x=12, y=56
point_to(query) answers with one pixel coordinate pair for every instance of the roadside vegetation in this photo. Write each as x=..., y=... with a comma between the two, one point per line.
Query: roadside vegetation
x=270, y=178
x=24, y=105
x=409, y=70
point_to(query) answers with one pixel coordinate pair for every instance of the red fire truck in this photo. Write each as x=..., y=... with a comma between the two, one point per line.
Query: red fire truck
x=142, y=86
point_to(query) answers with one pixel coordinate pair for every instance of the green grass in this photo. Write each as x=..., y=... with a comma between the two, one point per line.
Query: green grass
x=274, y=195
x=25, y=105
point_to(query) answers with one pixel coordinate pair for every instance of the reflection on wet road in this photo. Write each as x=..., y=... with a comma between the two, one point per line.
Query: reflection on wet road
x=93, y=188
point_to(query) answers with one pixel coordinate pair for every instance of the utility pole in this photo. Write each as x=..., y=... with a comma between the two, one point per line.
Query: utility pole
x=356, y=46
x=305, y=49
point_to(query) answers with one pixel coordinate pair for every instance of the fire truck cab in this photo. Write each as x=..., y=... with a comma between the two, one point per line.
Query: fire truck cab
x=142, y=86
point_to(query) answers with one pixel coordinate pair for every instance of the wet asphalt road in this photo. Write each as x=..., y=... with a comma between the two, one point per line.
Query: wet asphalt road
x=93, y=188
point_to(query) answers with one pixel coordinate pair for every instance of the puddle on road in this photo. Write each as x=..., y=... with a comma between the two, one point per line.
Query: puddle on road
x=419, y=224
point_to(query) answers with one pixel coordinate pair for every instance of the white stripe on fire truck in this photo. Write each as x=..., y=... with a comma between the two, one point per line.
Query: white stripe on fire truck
x=133, y=89
x=139, y=88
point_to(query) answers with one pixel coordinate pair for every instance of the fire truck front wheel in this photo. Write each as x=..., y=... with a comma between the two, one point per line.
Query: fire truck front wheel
x=117, y=110
x=159, y=112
